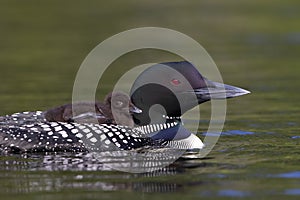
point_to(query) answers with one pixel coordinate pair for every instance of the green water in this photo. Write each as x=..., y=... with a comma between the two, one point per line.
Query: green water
x=256, y=45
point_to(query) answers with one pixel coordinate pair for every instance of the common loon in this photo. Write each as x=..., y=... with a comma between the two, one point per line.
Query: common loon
x=174, y=80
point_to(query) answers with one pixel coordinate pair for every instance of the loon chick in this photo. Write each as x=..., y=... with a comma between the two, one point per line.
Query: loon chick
x=116, y=109
x=160, y=84
x=117, y=112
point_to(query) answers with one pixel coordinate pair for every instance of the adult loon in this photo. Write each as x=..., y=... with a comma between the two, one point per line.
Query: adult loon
x=181, y=80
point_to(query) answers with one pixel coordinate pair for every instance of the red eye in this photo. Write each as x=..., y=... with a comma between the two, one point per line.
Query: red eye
x=175, y=82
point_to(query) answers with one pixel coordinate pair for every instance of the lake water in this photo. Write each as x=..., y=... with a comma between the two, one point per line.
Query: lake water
x=256, y=45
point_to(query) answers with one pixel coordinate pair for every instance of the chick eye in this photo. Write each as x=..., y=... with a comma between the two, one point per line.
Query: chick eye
x=175, y=82
x=118, y=104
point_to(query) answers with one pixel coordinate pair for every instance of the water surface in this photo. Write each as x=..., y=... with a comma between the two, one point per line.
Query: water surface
x=255, y=45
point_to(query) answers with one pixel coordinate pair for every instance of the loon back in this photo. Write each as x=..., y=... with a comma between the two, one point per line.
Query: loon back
x=60, y=136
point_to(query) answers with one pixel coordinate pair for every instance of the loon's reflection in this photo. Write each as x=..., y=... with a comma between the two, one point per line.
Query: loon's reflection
x=37, y=173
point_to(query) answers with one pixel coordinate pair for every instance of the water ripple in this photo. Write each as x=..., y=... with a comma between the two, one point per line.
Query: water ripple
x=230, y=132
x=233, y=193
x=295, y=191
x=294, y=174
x=295, y=137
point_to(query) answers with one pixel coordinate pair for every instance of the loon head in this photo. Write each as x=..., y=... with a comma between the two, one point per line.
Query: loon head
x=170, y=89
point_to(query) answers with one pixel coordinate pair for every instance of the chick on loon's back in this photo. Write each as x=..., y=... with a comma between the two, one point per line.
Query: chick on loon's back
x=116, y=109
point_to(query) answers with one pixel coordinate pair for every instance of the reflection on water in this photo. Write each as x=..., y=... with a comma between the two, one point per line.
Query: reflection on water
x=237, y=132
x=233, y=193
x=65, y=162
x=295, y=137
x=295, y=174
x=138, y=162
x=295, y=191
x=82, y=171
x=55, y=172
x=230, y=132
x=221, y=174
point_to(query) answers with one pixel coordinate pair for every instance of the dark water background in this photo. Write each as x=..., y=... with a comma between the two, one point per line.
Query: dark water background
x=256, y=45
